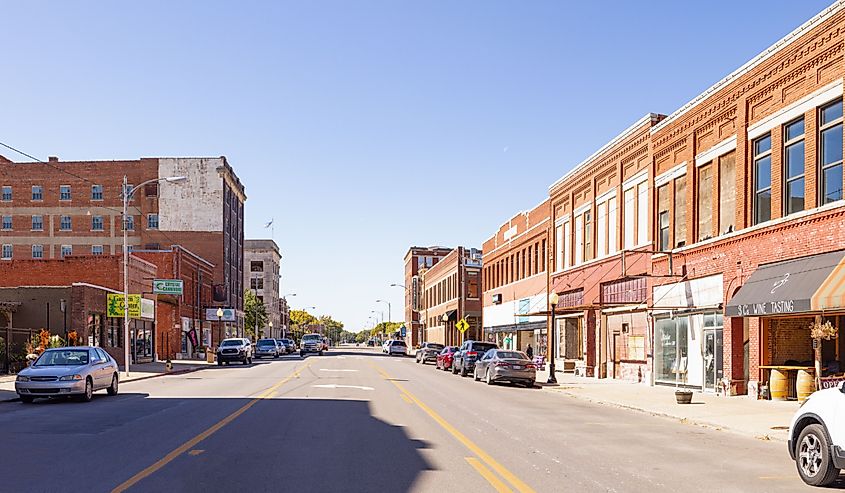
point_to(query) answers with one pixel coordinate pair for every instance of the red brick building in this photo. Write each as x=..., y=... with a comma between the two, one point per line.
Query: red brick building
x=728, y=238
x=181, y=327
x=452, y=292
x=515, y=281
x=417, y=261
x=84, y=282
x=59, y=208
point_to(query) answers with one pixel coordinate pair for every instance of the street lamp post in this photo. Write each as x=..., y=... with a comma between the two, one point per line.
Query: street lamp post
x=127, y=196
x=389, y=317
x=220, y=321
x=553, y=299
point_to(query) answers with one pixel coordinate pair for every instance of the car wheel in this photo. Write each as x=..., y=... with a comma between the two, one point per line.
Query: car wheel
x=454, y=368
x=321, y=352
x=463, y=371
x=219, y=363
x=89, y=391
x=26, y=399
x=813, y=457
x=475, y=374
x=488, y=378
x=245, y=361
x=112, y=390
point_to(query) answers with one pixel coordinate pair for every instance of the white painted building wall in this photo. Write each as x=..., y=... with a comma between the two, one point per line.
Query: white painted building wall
x=195, y=204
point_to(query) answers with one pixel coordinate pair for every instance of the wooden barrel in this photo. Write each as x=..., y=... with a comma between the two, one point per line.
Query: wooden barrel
x=805, y=385
x=778, y=385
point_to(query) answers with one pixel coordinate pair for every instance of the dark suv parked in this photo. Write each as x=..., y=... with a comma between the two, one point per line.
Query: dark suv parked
x=468, y=354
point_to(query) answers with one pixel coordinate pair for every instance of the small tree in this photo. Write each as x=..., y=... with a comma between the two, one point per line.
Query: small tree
x=255, y=313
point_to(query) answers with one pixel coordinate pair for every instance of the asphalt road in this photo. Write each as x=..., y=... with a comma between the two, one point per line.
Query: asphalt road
x=360, y=421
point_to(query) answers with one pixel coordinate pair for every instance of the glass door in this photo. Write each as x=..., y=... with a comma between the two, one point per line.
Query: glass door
x=713, y=371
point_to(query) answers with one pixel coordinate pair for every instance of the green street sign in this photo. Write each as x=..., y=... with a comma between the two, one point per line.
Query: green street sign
x=168, y=286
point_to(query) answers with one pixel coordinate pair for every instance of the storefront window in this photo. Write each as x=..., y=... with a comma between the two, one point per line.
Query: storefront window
x=671, y=349
x=114, y=332
x=95, y=329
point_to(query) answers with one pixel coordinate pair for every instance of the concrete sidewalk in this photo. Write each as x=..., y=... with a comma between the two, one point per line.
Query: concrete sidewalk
x=141, y=371
x=765, y=420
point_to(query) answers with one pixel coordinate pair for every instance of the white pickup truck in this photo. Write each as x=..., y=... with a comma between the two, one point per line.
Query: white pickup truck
x=817, y=437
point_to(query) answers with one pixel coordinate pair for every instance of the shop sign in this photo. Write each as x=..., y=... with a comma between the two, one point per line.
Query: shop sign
x=229, y=315
x=402, y=331
x=115, y=308
x=148, y=309
x=168, y=286
x=766, y=308
x=830, y=382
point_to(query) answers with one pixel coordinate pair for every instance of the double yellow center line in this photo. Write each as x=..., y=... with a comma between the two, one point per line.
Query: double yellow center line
x=510, y=477
x=181, y=449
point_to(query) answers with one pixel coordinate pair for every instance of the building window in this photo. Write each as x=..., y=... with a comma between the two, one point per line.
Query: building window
x=96, y=249
x=7, y=252
x=762, y=179
x=65, y=223
x=130, y=223
x=606, y=227
x=64, y=192
x=727, y=192
x=151, y=190
x=579, y=239
x=629, y=207
x=663, y=218
x=7, y=194
x=472, y=285
x=256, y=266
x=96, y=192
x=705, y=202
x=831, y=153
x=37, y=251
x=559, y=255
x=680, y=211
x=126, y=191
x=793, y=167
x=37, y=192
x=7, y=223
x=642, y=213
x=588, y=236
x=38, y=223
x=256, y=283
x=96, y=223
x=67, y=250
x=152, y=221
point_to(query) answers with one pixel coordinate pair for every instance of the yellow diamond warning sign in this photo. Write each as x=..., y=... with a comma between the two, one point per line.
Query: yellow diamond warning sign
x=462, y=325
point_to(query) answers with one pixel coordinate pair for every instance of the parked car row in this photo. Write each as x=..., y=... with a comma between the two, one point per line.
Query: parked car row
x=394, y=346
x=484, y=360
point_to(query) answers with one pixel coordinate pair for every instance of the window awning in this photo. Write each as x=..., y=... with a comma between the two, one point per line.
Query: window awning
x=806, y=284
x=517, y=327
x=451, y=315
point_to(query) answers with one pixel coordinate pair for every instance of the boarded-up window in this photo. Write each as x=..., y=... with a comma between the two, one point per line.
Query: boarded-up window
x=727, y=192
x=680, y=211
x=629, y=208
x=601, y=230
x=636, y=348
x=705, y=202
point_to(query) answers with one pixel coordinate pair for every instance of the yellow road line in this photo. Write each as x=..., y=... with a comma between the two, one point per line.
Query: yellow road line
x=488, y=475
x=484, y=456
x=181, y=449
x=406, y=399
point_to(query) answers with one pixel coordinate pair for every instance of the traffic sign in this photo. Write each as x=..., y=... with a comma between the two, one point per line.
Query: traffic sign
x=167, y=286
x=402, y=331
x=462, y=325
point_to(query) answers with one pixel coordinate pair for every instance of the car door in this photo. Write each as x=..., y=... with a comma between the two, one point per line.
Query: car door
x=460, y=355
x=96, y=364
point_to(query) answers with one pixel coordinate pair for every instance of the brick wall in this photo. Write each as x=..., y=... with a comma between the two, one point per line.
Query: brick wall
x=789, y=339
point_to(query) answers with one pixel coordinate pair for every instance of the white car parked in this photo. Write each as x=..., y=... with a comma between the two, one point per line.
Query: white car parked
x=817, y=437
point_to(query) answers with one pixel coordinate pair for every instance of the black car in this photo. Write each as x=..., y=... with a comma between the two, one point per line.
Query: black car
x=428, y=352
x=468, y=354
x=289, y=346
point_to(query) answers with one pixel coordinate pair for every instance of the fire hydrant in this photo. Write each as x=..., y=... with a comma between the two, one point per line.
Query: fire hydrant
x=168, y=365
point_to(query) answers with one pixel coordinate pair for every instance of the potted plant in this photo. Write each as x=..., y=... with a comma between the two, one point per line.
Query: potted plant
x=682, y=395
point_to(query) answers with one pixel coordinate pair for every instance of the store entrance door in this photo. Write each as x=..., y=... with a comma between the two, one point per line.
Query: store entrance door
x=713, y=371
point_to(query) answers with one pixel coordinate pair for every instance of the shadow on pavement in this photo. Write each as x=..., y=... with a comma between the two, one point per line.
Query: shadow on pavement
x=274, y=445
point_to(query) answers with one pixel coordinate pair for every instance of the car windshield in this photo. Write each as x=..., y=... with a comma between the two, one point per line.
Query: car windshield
x=266, y=342
x=64, y=357
x=311, y=338
x=511, y=355
x=438, y=347
x=231, y=342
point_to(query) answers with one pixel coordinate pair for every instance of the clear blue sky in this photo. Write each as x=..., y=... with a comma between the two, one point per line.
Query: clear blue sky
x=364, y=127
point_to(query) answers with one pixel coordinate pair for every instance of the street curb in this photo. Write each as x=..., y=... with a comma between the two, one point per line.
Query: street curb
x=683, y=420
x=177, y=372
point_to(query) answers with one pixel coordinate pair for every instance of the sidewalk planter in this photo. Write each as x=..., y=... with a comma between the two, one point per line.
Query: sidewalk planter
x=209, y=356
x=683, y=396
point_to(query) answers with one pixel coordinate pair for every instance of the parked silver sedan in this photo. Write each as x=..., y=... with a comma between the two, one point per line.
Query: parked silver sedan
x=502, y=365
x=77, y=371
